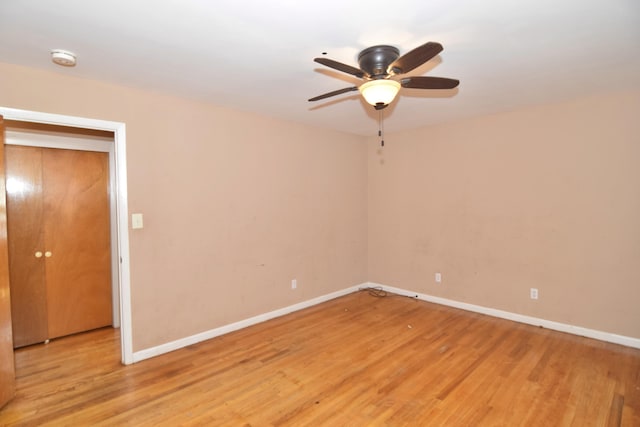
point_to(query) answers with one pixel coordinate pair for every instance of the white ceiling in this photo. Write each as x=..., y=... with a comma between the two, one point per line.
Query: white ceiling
x=258, y=55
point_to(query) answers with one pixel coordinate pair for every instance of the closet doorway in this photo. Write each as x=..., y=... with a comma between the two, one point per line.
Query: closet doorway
x=79, y=134
x=59, y=215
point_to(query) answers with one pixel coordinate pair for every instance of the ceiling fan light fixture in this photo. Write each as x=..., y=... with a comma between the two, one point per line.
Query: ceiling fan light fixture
x=381, y=91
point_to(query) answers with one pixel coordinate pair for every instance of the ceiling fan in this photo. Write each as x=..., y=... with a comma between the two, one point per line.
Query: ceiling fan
x=379, y=64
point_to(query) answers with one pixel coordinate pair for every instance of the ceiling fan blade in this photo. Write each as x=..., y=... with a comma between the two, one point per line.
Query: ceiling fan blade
x=415, y=58
x=340, y=66
x=334, y=93
x=428, y=82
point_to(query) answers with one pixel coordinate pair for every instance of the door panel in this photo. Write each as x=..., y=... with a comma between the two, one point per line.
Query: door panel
x=77, y=235
x=27, y=271
x=7, y=366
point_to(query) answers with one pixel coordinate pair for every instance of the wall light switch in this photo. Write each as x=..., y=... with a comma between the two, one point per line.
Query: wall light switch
x=136, y=220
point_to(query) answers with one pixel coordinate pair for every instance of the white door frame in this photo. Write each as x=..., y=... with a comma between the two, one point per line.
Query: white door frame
x=122, y=216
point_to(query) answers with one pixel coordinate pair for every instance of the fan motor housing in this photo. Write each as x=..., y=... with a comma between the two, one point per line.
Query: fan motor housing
x=375, y=60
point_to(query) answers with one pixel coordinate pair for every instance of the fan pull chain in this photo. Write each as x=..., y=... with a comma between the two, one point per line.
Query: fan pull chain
x=381, y=128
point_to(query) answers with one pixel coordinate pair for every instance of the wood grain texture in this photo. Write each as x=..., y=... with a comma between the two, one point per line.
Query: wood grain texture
x=76, y=228
x=26, y=237
x=354, y=361
x=60, y=205
x=7, y=372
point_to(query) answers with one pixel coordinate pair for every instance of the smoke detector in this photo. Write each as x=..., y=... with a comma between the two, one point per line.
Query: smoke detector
x=63, y=57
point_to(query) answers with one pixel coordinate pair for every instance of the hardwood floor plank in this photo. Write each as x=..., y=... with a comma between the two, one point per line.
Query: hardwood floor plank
x=356, y=360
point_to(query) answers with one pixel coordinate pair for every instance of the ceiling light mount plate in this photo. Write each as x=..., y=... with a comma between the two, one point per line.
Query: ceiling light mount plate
x=63, y=57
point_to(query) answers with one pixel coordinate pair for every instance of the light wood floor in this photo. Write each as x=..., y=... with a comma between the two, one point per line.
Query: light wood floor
x=354, y=361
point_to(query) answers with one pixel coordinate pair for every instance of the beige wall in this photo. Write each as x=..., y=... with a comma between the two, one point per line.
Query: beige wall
x=545, y=197
x=235, y=204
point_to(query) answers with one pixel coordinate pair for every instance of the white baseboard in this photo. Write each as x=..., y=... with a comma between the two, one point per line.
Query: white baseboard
x=203, y=336
x=556, y=326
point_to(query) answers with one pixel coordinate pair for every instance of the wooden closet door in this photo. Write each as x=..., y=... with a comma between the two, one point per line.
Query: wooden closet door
x=26, y=268
x=77, y=236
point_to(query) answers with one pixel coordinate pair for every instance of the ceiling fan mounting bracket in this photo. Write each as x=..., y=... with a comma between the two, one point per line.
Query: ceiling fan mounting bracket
x=375, y=60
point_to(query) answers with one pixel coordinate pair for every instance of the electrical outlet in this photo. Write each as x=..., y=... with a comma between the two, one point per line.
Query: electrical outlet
x=294, y=284
x=533, y=293
x=438, y=278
